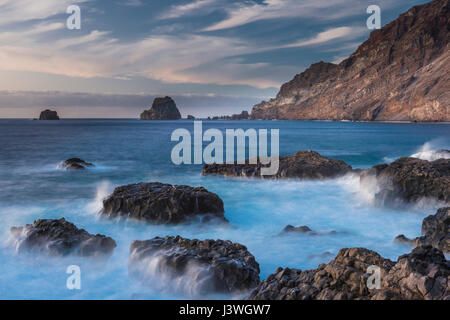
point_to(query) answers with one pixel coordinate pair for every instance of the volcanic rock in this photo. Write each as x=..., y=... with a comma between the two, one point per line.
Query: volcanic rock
x=422, y=274
x=75, y=164
x=196, y=266
x=60, y=238
x=162, y=109
x=163, y=203
x=302, y=165
x=48, y=115
x=410, y=180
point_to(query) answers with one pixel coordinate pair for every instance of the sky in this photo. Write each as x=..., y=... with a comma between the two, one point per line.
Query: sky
x=214, y=57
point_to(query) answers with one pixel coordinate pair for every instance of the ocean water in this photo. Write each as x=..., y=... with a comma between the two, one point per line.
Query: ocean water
x=129, y=151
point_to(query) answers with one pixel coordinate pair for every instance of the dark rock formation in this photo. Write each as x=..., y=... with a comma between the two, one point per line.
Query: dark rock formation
x=60, y=238
x=409, y=180
x=289, y=229
x=435, y=232
x=402, y=72
x=198, y=266
x=48, y=115
x=162, y=109
x=422, y=274
x=405, y=240
x=189, y=117
x=163, y=203
x=301, y=229
x=241, y=116
x=75, y=164
x=303, y=165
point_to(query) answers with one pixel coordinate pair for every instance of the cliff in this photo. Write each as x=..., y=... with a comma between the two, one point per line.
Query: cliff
x=401, y=73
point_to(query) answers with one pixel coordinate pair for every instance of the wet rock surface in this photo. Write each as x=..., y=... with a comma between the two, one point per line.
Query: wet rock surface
x=301, y=165
x=48, y=115
x=422, y=274
x=410, y=180
x=75, y=164
x=60, y=238
x=162, y=109
x=197, y=266
x=163, y=203
x=435, y=232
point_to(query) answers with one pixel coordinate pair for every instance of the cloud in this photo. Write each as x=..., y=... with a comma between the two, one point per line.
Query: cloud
x=178, y=11
x=132, y=3
x=244, y=13
x=329, y=35
x=12, y=11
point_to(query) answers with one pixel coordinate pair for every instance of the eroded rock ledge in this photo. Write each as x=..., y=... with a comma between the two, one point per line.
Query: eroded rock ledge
x=60, y=238
x=197, y=267
x=302, y=165
x=409, y=180
x=422, y=274
x=163, y=203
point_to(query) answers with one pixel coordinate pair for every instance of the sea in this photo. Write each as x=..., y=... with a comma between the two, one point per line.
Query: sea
x=126, y=151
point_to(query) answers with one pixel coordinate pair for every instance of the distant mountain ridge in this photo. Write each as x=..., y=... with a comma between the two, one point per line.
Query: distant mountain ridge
x=401, y=73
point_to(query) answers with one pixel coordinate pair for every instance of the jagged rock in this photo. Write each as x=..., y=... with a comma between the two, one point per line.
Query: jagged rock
x=401, y=72
x=303, y=165
x=162, y=109
x=75, y=164
x=435, y=231
x=196, y=266
x=422, y=274
x=48, y=115
x=60, y=238
x=163, y=203
x=409, y=180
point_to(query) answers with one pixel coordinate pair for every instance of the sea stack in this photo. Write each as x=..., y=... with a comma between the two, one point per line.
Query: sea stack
x=49, y=115
x=162, y=109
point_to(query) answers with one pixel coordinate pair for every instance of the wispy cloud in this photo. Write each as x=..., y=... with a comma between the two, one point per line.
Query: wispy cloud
x=131, y=3
x=244, y=13
x=25, y=10
x=329, y=35
x=177, y=11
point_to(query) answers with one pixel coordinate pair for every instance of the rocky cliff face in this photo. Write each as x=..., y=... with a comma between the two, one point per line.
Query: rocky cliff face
x=162, y=109
x=400, y=73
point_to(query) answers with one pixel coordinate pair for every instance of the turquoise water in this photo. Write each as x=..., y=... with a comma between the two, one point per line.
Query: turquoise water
x=128, y=151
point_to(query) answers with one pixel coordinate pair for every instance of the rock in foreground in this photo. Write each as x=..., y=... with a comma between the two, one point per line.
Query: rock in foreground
x=60, y=238
x=193, y=266
x=75, y=164
x=410, y=180
x=422, y=274
x=49, y=115
x=162, y=109
x=302, y=165
x=163, y=203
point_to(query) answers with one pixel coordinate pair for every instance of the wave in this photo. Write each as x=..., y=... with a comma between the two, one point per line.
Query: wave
x=431, y=151
x=104, y=189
